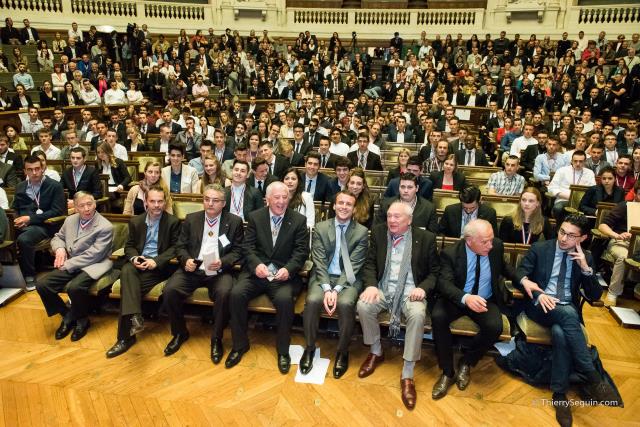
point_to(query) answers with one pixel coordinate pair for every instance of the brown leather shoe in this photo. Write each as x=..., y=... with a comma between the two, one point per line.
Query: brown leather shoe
x=369, y=365
x=409, y=396
x=441, y=387
x=464, y=375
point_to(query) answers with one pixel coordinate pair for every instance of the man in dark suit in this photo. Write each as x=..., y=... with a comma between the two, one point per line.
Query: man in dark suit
x=276, y=247
x=8, y=178
x=9, y=157
x=312, y=136
x=425, y=186
x=315, y=183
x=424, y=213
x=472, y=155
x=528, y=158
x=553, y=274
x=260, y=177
x=80, y=177
x=28, y=34
x=339, y=248
x=342, y=169
x=399, y=274
x=210, y=245
x=364, y=158
x=221, y=149
x=456, y=216
x=470, y=284
x=154, y=84
x=278, y=164
x=241, y=199
x=151, y=245
x=399, y=132
x=299, y=145
x=327, y=159
x=36, y=200
x=396, y=42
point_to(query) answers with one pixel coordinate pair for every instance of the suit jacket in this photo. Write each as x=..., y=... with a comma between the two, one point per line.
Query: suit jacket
x=330, y=161
x=168, y=234
x=373, y=160
x=323, y=247
x=16, y=161
x=459, y=181
x=538, y=263
x=190, y=241
x=252, y=200
x=88, y=250
x=151, y=128
x=268, y=180
x=280, y=167
x=315, y=141
x=597, y=194
x=8, y=176
x=292, y=244
x=189, y=181
x=451, y=221
x=425, y=264
x=305, y=147
x=52, y=202
x=322, y=190
x=480, y=157
x=529, y=155
x=89, y=182
x=392, y=136
x=425, y=188
x=424, y=213
x=453, y=272
x=120, y=173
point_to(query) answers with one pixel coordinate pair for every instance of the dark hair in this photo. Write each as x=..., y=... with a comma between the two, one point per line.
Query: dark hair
x=296, y=199
x=342, y=162
x=578, y=153
x=207, y=143
x=312, y=155
x=177, y=147
x=626, y=156
x=346, y=193
x=580, y=221
x=155, y=187
x=470, y=194
x=79, y=150
x=415, y=161
x=598, y=146
x=242, y=162
x=410, y=177
x=32, y=158
x=257, y=162
x=240, y=147
x=265, y=142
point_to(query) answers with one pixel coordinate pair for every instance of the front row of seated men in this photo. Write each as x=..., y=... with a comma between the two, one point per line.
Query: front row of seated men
x=396, y=270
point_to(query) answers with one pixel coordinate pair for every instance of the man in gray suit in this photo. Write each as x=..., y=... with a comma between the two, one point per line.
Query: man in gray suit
x=190, y=138
x=82, y=248
x=339, y=249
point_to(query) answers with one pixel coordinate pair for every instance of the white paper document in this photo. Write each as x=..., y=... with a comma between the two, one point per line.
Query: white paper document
x=463, y=114
x=208, y=259
x=504, y=348
x=317, y=374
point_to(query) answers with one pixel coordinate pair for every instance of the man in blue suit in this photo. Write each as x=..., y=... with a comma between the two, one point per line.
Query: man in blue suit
x=553, y=273
x=425, y=186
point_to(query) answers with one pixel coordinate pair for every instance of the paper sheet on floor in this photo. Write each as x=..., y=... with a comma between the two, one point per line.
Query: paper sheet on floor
x=295, y=352
x=317, y=374
x=506, y=347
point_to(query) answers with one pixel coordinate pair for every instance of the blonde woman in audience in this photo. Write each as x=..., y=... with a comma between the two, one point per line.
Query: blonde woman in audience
x=527, y=225
x=134, y=141
x=58, y=44
x=134, y=203
x=108, y=164
x=213, y=173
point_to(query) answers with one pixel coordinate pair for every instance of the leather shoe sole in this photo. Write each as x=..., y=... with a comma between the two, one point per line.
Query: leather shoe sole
x=408, y=388
x=175, y=344
x=121, y=347
x=370, y=364
x=234, y=357
x=80, y=331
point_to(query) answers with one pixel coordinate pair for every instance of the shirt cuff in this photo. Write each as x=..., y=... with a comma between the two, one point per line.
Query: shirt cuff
x=326, y=287
x=464, y=299
x=588, y=272
x=338, y=288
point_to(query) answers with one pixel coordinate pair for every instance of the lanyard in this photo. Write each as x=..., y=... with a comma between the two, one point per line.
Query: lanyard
x=624, y=183
x=211, y=223
x=579, y=178
x=36, y=196
x=84, y=223
x=76, y=181
x=396, y=240
x=527, y=239
x=237, y=205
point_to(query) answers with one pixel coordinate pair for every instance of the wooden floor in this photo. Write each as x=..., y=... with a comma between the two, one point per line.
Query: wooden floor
x=49, y=382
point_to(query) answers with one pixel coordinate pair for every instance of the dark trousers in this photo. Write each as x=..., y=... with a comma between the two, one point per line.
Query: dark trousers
x=77, y=287
x=27, y=240
x=182, y=284
x=569, y=345
x=281, y=294
x=444, y=312
x=346, y=310
x=134, y=284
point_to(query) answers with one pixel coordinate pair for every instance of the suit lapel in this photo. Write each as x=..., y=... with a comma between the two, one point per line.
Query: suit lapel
x=198, y=229
x=74, y=224
x=550, y=254
x=462, y=256
x=223, y=229
x=285, y=225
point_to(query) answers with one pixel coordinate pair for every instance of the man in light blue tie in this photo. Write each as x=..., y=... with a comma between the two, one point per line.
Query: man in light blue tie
x=336, y=285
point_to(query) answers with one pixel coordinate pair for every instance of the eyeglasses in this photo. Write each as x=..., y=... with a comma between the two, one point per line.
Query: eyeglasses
x=569, y=236
x=208, y=200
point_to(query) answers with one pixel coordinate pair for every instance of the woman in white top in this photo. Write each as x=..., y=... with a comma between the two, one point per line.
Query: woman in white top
x=58, y=78
x=133, y=94
x=299, y=201
x=45, y=57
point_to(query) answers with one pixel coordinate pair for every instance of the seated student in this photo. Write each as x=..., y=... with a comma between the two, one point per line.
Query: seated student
x=606, y=191
x=48, y=172
x=260, y=177
x=314, y=182
x=240, y=152
x=241, y=199
x=470, y=284
x=554, y=289
x=278, y=164
x=472, y=155
x=342, y=167
x=624, y=172
x=363, y=157
x=299, y=200
x=449, y=178
x=153, y=236
x=414, y=166
x=179, y=178
x=403, y=160
x=327, y=159
x=82, y=248
x=37, y=199
x=424, y=213
x=457, y=215
x=547, y=163
x=573, y=174
x=134, y=204
x=80, y=177
x=527, y=225
x=616, y=227
x=108, y=164
x=364, y=210
x=506, y=182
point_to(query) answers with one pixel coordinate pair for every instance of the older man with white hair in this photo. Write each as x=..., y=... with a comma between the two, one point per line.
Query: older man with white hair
x=470, y=284
x=400, y=271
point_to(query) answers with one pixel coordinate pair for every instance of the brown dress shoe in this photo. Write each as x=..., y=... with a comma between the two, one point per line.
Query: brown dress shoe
x=408, y=388
x=441, y=387
x=464, y=375
x=369, y=365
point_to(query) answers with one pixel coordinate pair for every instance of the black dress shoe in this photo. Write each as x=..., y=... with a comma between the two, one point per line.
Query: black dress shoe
x=563, y=412
x=341, y=365
x=464, y=375
x=441, y=386
x=216, y=351
x=306, y=361
x=82, y=326
x=64, y=329
x=175, y=344
x=121, y=346
x=234, y=357
x=284, y=363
